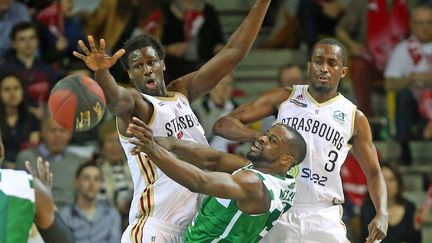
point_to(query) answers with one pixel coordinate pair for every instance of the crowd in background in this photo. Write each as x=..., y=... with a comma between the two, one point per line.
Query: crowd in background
x=389, y=45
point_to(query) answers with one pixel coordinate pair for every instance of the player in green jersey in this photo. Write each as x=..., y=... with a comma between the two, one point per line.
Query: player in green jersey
x=241, y=206
x=25, y=199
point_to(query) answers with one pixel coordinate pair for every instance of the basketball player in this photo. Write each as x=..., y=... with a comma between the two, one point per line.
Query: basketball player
x=331, y=125
x=162, y=209
x=26, y=198
x=242, y=206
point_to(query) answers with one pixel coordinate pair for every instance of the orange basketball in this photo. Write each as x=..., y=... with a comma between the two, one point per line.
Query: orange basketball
x=77, y=103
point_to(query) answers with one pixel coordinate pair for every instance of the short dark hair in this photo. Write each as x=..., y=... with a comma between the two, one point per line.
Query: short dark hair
x=333, y=42
x=297, y=144
x=139, y=42
x=83, y=166
x=21, y=27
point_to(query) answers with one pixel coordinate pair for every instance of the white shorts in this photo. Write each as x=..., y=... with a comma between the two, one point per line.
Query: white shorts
x=154, y=231
x=309, y=224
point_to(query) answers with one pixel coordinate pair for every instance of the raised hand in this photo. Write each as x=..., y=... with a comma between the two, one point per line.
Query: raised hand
x=142, y=136
x=96, y=58
x=42, y=172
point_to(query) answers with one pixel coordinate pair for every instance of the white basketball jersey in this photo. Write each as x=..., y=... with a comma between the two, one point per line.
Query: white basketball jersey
x=326, y=128
x=155, y=194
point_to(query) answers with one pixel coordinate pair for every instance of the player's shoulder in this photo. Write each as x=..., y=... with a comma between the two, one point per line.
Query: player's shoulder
x=246, y=177
x=278, y=94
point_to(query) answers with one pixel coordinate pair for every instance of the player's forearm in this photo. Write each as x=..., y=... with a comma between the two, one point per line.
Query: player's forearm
x=378, y=192
x=199, y=155
x=183, y=173
x=232, y=129
x=118, y=100
x=242, y=39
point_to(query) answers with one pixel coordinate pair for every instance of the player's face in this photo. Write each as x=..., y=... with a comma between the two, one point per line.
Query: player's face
x=88, y=183
x=269, y=147
x=146, y=71
x=326, y=68
x=11, y=92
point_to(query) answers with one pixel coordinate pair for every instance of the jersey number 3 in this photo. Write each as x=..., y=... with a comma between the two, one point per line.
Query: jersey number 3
x=330, y=165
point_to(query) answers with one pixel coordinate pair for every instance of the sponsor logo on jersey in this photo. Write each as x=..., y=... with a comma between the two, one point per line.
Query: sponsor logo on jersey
x=294, y=171
x=300, y=97
x=161, y=103
x=339, y=116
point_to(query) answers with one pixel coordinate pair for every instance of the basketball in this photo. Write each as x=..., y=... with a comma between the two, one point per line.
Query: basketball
x=77, y=103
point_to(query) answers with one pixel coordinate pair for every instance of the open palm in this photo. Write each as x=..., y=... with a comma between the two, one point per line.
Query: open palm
x=96, y=58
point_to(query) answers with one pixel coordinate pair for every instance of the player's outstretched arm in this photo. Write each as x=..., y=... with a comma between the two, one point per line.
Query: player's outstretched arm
x=234, y=125
x=202, y=156
x=119, y=100
x=365, y=152
x=244, y=185
x=50, y=225
x=210, y=74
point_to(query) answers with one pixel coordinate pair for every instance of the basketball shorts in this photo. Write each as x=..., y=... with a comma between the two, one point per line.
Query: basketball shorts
x=310, y=223
x=154, y=231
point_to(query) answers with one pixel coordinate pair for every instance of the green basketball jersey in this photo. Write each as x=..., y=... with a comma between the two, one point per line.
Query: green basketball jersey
x=17, y=206
x=219, y=220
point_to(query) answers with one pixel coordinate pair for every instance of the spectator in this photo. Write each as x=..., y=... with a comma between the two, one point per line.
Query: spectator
x=291, y=74
x=408, y=73
x=53, y=148
x=318, y=18
x=371, y=29
x=117, y=186
x=118, y=20
x=355, y=191
x=20, y=128
x=37, y=76
x=401, y=211
x=286, y=30
x=216, y=104
x=288, y=75
x=192, y=34
x=88, y=220
x=11, y=13
x=60, y=32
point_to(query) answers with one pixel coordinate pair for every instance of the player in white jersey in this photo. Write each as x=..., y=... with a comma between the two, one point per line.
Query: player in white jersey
x=331, y=125
x=143, y=59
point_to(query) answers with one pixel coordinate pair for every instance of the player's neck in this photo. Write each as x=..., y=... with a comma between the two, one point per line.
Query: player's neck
x=322, y=96
x=270, y=170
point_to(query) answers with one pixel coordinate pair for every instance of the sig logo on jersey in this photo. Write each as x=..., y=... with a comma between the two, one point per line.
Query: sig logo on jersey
x=294, y=171
x=339, y=116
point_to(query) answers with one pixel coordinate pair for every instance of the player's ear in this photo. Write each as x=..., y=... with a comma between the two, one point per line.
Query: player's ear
x=344, y=72
x=163, y=65
x=287, y=159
